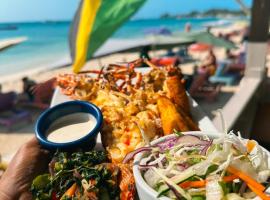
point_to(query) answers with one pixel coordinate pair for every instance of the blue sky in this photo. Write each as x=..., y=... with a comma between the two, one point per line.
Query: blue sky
x=37, y=10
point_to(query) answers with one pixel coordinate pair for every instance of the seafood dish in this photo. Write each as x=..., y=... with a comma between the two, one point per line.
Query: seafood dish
x=136, y=107
x=84, y=176
x=196, y=166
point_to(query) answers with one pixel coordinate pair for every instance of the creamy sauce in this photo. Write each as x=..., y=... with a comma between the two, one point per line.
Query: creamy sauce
x=71, y=127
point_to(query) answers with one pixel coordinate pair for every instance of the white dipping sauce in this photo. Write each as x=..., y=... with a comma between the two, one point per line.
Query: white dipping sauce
x=71, y=127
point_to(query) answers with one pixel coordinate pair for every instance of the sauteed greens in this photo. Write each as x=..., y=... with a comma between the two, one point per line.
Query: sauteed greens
x=81, y=175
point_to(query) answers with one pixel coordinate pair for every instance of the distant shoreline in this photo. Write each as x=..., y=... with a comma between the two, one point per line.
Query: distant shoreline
x=33, y=22
x=188, y=16
x=217, y=13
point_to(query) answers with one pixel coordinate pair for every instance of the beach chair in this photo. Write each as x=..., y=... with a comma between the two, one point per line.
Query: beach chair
x=221, y=76
x=9, y=115
x=239, y=65
x=201, y=89
x=43, y=93
x=165, y=61
x=184, y=56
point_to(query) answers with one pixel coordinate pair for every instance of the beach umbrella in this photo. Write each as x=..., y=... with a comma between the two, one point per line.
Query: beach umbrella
x=199, y=47
x=134, y=45
x=209, y=38
x=95, y=21
x=167, y=42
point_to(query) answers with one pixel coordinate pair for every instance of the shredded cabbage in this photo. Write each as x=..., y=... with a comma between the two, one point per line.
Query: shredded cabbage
x=181, y=163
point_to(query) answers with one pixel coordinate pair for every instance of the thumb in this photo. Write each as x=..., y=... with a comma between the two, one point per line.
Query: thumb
x=26, y=196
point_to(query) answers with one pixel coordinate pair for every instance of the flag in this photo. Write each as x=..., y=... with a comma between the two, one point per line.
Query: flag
x=94, y=22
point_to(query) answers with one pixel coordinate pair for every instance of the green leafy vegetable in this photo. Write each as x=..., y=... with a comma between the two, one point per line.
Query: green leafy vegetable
x=198, y=197
x=178, y=133
x=86, y=169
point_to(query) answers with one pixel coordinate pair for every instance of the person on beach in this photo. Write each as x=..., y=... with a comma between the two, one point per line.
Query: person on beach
x=209, y=65
x=144, y=53
x=27, y=88
x=200, y=87
x=29, y=161
x=230, y=55
x=239, y=62
x=187, y=27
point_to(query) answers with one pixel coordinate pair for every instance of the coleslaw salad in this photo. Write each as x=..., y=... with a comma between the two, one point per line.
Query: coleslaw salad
x=196, y=166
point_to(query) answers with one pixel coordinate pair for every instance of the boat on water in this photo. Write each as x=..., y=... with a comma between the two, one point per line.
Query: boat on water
x=8, y=28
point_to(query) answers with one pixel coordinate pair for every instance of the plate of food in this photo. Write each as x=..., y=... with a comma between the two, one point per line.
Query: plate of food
x=147, y=116
x=184, y=165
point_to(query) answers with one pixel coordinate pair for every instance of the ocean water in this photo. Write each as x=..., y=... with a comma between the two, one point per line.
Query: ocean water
x=48, y=42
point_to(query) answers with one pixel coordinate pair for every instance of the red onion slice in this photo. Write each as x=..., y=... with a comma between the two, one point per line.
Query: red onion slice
x=176, y=193
x=242, y=188
x=167, y=143
x=183, y=166
x=204, y=150
x=188, y=140
x=132, y=154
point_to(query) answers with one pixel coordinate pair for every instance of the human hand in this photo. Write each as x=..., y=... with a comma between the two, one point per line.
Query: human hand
x=30, y=161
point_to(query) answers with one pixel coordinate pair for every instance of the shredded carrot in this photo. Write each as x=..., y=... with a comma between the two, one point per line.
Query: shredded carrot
x=250, y=145
x=260, y=193
x=199, y=184
x=246, y=178
x=194, y=184
x=70, y=192
x=229, y=178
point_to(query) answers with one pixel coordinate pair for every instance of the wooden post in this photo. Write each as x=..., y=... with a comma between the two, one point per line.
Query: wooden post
x=257, y=45
x=256, y=61
x=260, y=21
x=240, y=110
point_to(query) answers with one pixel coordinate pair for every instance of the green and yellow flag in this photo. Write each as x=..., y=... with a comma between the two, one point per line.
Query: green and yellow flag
x=95, y=21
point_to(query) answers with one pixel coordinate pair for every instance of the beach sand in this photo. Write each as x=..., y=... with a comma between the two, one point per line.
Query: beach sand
x=11, y=141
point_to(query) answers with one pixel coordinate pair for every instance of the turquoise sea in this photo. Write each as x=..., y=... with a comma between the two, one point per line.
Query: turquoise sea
x=47, y=42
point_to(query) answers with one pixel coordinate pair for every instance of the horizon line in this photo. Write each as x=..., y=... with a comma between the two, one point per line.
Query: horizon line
x=136, y=18
x=65, y=21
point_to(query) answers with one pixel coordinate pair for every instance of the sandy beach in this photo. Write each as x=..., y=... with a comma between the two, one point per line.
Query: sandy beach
x=11, y=141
